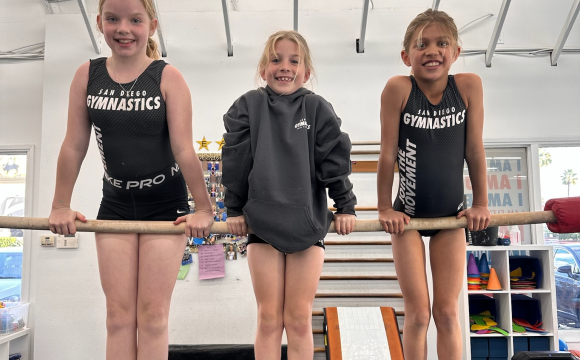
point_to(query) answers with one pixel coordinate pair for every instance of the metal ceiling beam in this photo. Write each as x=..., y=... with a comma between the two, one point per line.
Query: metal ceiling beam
x=48, y=7
x=435, y=4
x=565, y=32
x=295, y=15
x=227, y=23
x=360, y=42
x=496, y=32
x=96, y=44
x=160, y=30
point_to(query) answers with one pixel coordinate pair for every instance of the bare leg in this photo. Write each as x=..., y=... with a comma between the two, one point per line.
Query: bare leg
x=267, y=270
x=159, y=261
x=302, y=275
x=447, y=253
x=118, y=262
x=409, y=255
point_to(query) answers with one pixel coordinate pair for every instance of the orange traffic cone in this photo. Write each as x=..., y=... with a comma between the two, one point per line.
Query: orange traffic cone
x=493, y=283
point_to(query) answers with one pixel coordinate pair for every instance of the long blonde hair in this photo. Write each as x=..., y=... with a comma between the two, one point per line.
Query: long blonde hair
x=270, y=49
x=152, y=49
x=427, y=18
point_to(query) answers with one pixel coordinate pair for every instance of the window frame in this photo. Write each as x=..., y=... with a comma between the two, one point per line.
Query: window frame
x=534, y=197
x=27, y=150
x=567, y=335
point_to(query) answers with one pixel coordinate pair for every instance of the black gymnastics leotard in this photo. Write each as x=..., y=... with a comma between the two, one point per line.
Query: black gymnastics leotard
x=142, y=180
x=431, y=154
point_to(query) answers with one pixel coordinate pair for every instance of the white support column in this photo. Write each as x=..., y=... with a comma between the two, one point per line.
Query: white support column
x=162, y=43
x=96, y=44
x=227, y=23
x=565, y=32
x=295, y=15
x=496, y=31
x=360, y=42
x=435, y=5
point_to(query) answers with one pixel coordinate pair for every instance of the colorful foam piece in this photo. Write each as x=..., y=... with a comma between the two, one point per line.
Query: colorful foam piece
x=518, y=328
x=517, y=281
x=516, y=272
x=567, y=214
x=499, y=330
x=526, y=324
x=484, y=323
x=476, y=327
x=478, y=319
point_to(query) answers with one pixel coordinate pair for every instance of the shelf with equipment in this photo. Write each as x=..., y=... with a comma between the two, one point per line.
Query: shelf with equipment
x=530, y=301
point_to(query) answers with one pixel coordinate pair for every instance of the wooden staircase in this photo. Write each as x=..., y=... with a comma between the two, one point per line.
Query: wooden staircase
x=357, y=271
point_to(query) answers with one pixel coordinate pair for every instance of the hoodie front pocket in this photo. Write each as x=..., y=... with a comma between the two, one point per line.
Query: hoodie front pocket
x=288, y=227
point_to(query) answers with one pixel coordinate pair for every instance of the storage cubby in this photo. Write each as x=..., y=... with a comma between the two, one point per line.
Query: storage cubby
x=497, y=304
x=497, y=260
x=508, y=302
x=17, y=342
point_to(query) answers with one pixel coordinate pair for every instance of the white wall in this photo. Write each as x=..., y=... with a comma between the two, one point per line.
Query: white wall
x=21, y=82
x=526, y=99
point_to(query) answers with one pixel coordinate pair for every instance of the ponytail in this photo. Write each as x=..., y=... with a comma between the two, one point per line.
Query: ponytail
x=152, y=49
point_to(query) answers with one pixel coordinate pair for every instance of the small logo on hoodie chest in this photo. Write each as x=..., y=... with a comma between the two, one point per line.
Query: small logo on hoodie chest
x=302, y=124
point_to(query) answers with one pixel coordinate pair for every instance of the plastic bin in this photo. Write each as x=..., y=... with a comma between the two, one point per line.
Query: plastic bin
x=13, y=317
x=521, y=344
x=498, y=348
x=539, y=343
x=479, y=348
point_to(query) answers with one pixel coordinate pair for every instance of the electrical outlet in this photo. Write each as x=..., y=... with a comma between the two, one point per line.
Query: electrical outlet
x=67, y=241
x=47, y=240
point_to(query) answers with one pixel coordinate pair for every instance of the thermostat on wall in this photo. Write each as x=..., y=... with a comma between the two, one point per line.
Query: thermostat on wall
x=47, y=240
x=67, y=241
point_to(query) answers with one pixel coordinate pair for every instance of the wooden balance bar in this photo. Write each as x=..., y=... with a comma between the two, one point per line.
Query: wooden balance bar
x=167, y=227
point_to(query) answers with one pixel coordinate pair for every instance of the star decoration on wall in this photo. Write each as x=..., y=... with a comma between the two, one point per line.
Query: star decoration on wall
x=221, y=143
x=203, y=144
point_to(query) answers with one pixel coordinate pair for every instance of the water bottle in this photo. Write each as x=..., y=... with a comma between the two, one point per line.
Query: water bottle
x=515, y=235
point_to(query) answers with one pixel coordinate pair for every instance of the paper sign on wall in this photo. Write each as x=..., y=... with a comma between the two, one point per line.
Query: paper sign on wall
x=211, y=262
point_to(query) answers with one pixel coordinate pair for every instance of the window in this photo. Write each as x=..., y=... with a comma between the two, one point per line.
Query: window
x=12, y=195
x=563, y=258
x=507, y=185
x=559, y=178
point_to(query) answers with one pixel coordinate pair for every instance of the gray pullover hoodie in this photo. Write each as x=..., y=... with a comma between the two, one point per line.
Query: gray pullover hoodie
x=281, y=153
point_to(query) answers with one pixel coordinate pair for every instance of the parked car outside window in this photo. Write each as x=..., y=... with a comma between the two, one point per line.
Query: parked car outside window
x=10, y=273
x=567, y=276
x=13, y=206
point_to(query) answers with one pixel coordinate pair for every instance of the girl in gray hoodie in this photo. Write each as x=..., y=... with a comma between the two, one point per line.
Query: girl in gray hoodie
x=284, y=148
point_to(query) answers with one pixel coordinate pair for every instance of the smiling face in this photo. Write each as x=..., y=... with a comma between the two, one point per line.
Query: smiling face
x=431, y=53
x=285, y=72
x=126, y=26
